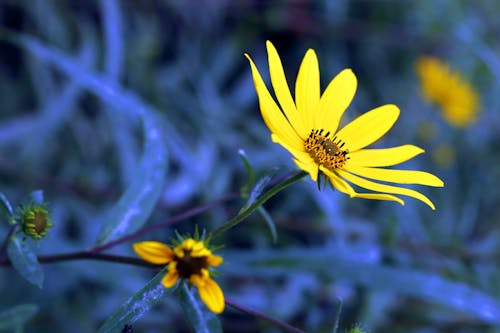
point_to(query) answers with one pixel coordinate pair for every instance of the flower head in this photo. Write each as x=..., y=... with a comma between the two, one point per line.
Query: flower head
x=35, y=220
x=308, y=128
x=191, y=261
x=457, y=99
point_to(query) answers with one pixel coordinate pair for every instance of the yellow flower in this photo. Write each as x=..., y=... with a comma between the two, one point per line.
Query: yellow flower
x=457, y=99
x=308, y=128
x=190, y=260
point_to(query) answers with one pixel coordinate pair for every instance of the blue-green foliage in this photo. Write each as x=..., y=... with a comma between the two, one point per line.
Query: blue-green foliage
x=129, y=112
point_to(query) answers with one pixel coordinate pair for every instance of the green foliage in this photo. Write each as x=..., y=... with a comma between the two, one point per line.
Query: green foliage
x=25, y=261
x=15, y=318
x=200, y=318
x=137, y=305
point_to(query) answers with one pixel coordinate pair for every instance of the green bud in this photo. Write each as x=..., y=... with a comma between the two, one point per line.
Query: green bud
x=35, y=220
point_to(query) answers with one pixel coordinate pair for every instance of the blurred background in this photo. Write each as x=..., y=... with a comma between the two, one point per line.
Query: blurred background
x=396, y=269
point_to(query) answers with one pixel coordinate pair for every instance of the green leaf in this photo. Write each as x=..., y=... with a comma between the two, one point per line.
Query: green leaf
x=258, y=189
x=269, y=222
x=345, y=265
x=5, y=207
x=15, y=318
x=135, y=206
x=199, y=316
x=24, y=261
x=137, y=305
x=251, y=176
x=35, y=197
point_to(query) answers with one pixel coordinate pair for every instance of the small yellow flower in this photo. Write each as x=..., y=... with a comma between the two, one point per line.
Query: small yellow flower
x=308, y=128
x=445, y=87
x=35, y=220
x=190, y=260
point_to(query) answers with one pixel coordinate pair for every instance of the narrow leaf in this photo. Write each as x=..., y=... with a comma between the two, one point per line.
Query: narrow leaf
x=24, y=261
x=6, y=210
x=269, y=222
x=426, y=286
x=258, y=188
x=15, y=318
x=137, y=305
x=201, y=319
x=137, y=203
x=250, y=174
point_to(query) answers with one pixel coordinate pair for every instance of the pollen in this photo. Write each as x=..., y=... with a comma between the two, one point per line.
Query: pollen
x=326, y=151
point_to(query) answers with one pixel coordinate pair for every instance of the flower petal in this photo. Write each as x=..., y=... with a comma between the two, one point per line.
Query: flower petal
x=397, y=176
x=369, y=127
x=210, y=293
x=384, y=188
x=153, y=252
x=171, y=277
x=383, y=157
x=310, y=168
x=338, y=182
x=271, y=113
x=344, y=187
x=335, y=100
x=214, y=260
x=380, y=196
x=307, y=90
x=282, y=90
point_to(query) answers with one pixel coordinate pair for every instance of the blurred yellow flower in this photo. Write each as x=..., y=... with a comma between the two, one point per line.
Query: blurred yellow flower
x=445, y=87
x=308, y=128
x=190, y=260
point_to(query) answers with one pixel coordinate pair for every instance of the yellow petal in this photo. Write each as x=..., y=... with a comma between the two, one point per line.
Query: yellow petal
x=344, y=187
x=298, y=153
x=271, y=113
x=338, y=182
x=211, y=295
x=214, y=260
x=307, y=89
x=153, y=252
x=369, y=127
x=379, y=196
x=383, y=157
x=311, y=168
x=335, y=100
x=397, y=176
x=282, y=90
x=171, y=277
x=372, y=186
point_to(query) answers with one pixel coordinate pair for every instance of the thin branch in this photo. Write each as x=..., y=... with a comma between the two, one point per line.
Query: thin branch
x=187, y=214
x=87, y=255
x=263, y=198
x=274, y=321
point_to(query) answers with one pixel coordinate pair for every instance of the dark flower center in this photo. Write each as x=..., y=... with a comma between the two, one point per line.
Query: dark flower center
x=326, y=151
x=188, y=265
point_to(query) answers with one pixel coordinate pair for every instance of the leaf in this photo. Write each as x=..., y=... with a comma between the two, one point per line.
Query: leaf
x=24, y=261
x=5, y=207
x=137, y=305
x=350, y=267
x=251, y=176
x=35, y=197
x=15, y=318
x=135, y=206
x=269, y=222
x=258, y=188
x=199, y=316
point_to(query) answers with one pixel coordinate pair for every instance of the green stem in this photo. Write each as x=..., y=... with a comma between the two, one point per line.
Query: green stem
x=249, y=210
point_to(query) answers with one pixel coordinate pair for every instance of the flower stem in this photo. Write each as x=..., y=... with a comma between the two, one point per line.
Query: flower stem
x=250, y=209
x=274, y=321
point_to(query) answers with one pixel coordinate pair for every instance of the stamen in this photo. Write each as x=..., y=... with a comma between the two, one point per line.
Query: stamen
x=325, y=151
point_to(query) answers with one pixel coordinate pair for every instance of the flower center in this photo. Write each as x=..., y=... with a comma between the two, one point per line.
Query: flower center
x=326, y=151
x=188, y=265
